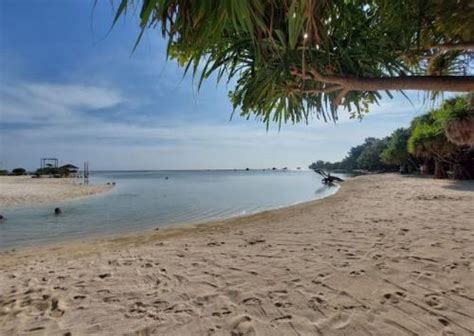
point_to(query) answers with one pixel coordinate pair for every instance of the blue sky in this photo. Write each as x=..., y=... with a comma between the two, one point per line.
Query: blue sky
x=72, y=90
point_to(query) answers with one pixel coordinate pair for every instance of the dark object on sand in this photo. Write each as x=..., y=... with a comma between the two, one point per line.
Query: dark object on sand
x=57, y=211
x=166, y=177
x=113, y=183
x=327, y=178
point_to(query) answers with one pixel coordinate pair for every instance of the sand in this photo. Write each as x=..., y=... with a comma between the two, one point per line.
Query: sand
x=24, y=190
x=386, y=255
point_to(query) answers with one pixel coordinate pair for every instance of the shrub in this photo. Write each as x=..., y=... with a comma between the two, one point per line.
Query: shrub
x=19, y=171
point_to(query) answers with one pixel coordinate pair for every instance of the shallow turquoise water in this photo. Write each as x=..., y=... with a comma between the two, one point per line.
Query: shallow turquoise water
x=143, y=200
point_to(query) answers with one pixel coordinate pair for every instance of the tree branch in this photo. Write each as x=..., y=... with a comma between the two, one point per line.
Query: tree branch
x=327, y=89
x=340, y=96
x=422, y=83
x=454, y=46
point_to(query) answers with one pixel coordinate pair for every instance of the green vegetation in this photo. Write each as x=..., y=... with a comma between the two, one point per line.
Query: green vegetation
x=292, y=59
x=362, y=157
x=425, y=142
x=3, y=172
x=55, y=171
x=429, y=139
x=396, y=153
x=370, y=159
x=457, y=117
x=19, y=171
x=48, y=171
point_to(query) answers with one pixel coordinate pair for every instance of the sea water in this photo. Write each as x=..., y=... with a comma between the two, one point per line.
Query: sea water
x=150, y=199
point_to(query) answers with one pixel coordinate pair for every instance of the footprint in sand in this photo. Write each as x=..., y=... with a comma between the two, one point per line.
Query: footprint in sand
x=56, y=311
x=377, y=256
x=160, y=305
x=111, y=299
x=393, y=298
x=459, y=290
x=243, y=326
x=449, y=267
x=357, y=273
x=252, y=301
x=434, y=300
x=222, y=312
x=138, y=310
x=284, y=318
x=254, y=241
x=104, y=275
x=276, y=294
x=316, y=302
x=283, y=304
x=335, y=322
x=443, y=322
x=105, y=291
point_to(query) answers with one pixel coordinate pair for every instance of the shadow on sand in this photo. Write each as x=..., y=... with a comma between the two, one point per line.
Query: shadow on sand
x=460, y=185
x=466, y=185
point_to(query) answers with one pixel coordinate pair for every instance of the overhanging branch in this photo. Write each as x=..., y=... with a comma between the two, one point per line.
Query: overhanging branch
x=454, y=46
x=422, y=83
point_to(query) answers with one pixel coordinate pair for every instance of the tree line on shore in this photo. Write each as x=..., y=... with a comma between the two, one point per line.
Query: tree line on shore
x=440, y=142
x=14, y=172
x=63, y=171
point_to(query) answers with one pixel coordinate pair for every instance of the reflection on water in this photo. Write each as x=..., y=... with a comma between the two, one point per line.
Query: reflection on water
x=143, y=200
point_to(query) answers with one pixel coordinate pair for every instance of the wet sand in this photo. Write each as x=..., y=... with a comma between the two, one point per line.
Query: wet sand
x=24, y=190
x=386, y=255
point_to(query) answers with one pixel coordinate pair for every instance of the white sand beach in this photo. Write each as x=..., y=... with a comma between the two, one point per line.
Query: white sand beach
x=24, y=190
x=386, y=255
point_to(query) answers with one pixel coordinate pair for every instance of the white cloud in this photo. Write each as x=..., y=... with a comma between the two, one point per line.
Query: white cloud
x=70, y=134
x=32, y=102
x=75, y=96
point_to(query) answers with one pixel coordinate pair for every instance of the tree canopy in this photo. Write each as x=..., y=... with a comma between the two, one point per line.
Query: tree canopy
x=369, y=158
x=426, y=141
x=293, y=59
x=429, y=138
x=366, y=156
x=457, y=117
x=19, y=171
x=396, y=150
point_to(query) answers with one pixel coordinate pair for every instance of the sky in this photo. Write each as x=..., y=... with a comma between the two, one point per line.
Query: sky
x=71, y=88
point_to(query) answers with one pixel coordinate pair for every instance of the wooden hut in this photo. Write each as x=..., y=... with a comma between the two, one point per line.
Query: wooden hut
x=68, y=170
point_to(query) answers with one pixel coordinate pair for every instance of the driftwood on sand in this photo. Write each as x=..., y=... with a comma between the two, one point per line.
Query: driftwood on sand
x=327, y=178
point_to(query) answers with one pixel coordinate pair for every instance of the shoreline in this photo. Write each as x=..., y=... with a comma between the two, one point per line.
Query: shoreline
x=25, y=191
x=384, y=255
x=105, y=236
x=169, y=230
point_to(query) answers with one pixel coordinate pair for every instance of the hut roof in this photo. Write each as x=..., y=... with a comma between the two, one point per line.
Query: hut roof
x=69, y=166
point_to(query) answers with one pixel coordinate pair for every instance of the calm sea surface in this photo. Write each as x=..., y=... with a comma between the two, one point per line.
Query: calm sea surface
x=144, y=200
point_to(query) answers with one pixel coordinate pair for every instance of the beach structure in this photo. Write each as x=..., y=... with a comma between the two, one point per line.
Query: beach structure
x=69, y=170
x=50, y=166
x=85, y=173
x=49, y=163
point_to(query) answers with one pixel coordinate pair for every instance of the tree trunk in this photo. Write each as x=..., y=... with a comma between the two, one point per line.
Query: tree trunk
x=459, y=172
x=439, y=172
x=454, y=46
x=422, y=83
